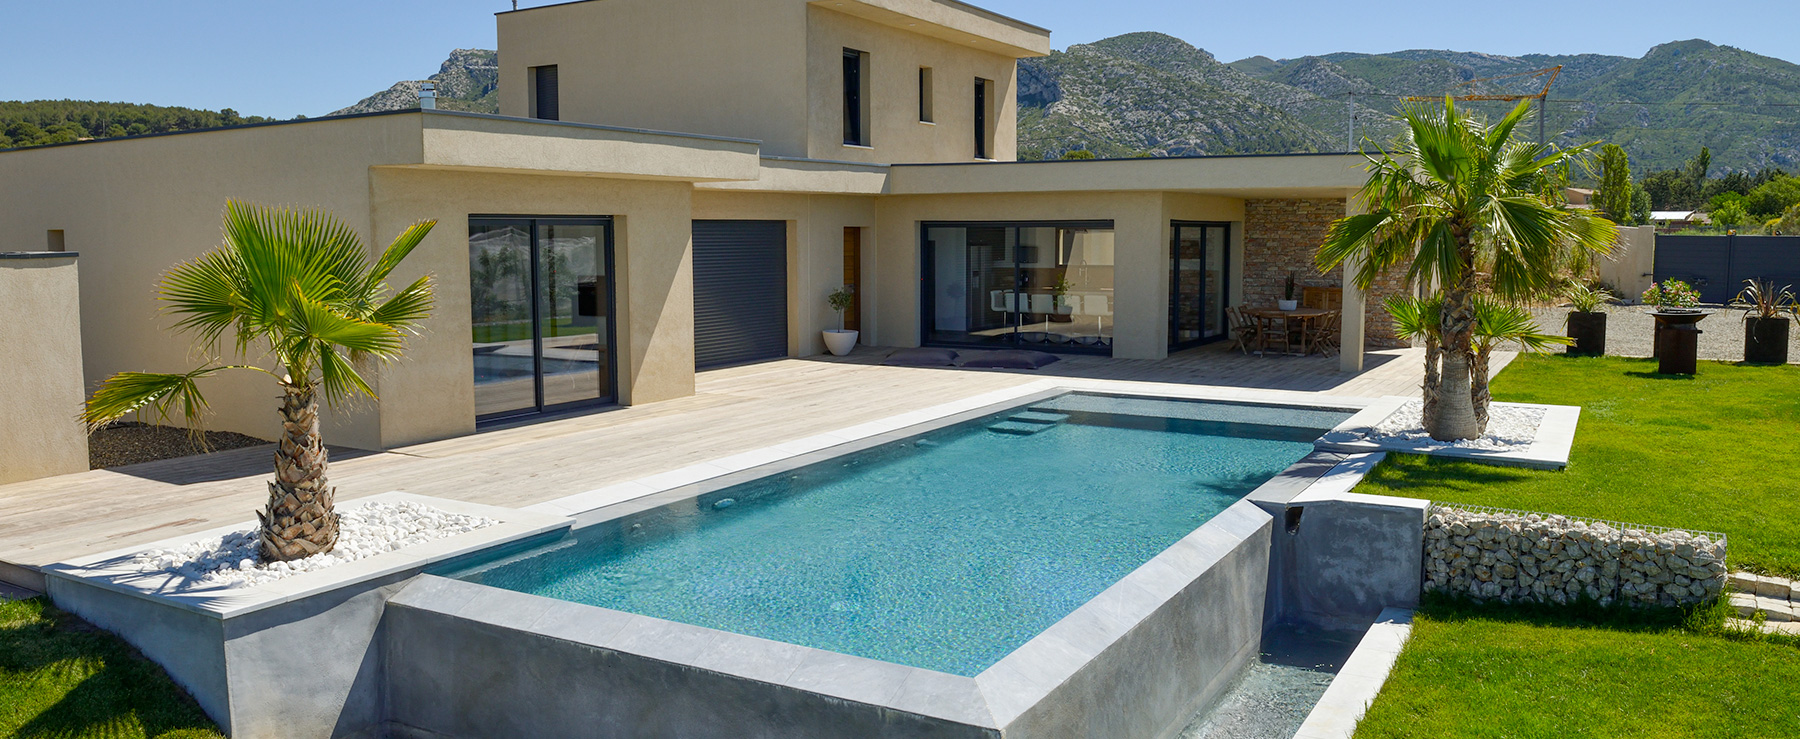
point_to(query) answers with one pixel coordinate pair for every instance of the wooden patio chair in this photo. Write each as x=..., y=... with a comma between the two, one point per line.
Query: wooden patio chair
x=1272, y=331
x=1322, y=333
x=1243, y=332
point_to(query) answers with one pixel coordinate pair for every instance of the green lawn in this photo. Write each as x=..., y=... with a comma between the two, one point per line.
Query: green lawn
x=61, y=678
x=1711, y=452
x=1708, y=452
x=1497, y=671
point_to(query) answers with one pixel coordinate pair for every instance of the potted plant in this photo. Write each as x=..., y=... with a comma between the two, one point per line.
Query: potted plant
x=837, y=340
x=1587, y=321
x=1059, y=293
x=1676, y=308
x=1765, y=328
x=1291, y=303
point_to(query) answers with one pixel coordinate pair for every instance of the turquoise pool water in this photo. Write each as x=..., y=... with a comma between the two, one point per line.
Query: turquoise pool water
x=944, y=551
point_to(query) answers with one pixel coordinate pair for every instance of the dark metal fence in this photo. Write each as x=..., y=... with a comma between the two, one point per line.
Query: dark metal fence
x=1718, y=265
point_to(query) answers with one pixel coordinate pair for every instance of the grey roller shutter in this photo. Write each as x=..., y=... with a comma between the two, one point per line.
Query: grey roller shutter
x=740, y=292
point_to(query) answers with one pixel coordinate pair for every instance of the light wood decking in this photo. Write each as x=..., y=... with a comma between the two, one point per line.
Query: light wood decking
x=734, y=410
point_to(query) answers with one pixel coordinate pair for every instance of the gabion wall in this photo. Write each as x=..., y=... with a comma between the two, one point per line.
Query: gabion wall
x=1496, y=554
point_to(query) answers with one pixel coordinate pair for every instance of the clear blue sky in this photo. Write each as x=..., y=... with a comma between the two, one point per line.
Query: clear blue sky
x=314, y=56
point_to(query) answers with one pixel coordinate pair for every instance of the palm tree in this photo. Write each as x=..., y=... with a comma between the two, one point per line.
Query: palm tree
x=304, y=306
x=1468, y=211
x=1496, y=323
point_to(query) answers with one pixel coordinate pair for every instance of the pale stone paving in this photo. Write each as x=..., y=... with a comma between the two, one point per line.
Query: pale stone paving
x=1777, y=599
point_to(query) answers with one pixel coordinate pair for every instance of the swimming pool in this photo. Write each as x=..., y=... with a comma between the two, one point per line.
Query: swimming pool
x=944, y=551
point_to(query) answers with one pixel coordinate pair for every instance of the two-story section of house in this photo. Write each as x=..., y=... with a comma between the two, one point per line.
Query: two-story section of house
x=846, y=80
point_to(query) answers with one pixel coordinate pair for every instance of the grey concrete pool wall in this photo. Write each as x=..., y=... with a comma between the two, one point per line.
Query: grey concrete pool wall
x=296, y=658
x=467, y=660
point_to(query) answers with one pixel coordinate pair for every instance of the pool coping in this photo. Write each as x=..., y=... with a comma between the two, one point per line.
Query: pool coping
x=1359, y=681
x=873, y=433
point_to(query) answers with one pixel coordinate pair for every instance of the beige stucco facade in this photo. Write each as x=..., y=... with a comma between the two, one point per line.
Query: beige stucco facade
x=771, y=70
x=40, y=368
x=759, y=84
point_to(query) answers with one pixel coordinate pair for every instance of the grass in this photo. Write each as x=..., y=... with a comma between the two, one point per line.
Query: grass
x=1544, y=671
x=1710, y=452
x=61, y=678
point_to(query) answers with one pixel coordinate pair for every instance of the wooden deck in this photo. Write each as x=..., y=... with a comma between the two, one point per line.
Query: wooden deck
x=734, y=410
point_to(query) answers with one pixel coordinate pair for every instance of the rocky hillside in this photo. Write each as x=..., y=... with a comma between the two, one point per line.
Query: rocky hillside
x=469, y=81
x=1151, y=94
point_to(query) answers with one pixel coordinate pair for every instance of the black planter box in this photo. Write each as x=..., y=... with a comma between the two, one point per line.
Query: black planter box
x=1766, y=340
x=1589, y=332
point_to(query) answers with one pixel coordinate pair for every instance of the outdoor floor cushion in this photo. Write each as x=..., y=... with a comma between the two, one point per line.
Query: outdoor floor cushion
x=921, y=358
x=1010, y=359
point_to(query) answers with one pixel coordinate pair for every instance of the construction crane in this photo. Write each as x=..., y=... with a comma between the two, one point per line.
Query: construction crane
x=1548, y=73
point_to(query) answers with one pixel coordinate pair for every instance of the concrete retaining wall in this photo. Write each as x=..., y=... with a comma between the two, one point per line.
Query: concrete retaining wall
x=1522, y=556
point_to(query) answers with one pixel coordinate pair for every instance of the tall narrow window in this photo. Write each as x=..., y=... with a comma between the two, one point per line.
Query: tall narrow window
x=856, y=98
x=55, y=240
x=544, y=97
x=983, y=96
x=925, y=95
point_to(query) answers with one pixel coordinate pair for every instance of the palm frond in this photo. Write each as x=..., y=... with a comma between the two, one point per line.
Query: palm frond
x=1497, y=323
x=1414, y=318
x=406, y=308
x=129, y=392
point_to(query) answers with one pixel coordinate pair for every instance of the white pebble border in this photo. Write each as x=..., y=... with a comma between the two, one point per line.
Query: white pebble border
x=1510, y=428
x=363, y=531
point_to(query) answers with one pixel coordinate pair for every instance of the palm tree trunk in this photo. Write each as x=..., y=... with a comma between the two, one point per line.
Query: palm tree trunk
x=1478, y=386
x=1456, y=419
x=299, y=521
x=1434, y=355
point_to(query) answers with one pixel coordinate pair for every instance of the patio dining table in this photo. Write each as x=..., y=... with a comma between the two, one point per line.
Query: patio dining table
x=1303, y=316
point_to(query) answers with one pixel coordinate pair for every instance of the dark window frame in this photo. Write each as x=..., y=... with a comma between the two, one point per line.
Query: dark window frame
x=984, y=143
x=538, y=85
x=928, y=281
x=540, y=410
x=856, y=97
x=1205, y=300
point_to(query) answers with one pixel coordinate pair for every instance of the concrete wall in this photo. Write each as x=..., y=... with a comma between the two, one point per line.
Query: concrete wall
x=1342, y=559
x=430, y=394
x=40, y=369
x=770, y=70
x=895, y=56
x=135, y=208
x=1632, y=266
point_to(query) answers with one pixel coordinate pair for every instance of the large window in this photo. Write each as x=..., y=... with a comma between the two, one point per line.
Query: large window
x=1199, y=288
x=541, y=305
x=856, y=98
x=1038, y=285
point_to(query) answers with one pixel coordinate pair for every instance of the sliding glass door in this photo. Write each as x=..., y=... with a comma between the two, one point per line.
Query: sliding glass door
x=541, y=305
x=1199, y=289
x=1004, y=285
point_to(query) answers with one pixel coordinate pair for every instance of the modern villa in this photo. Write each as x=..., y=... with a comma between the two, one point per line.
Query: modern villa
x=677, y=184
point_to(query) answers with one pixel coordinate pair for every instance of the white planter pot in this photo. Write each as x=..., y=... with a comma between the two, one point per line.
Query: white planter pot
x=839, y=342
x=1287, y=304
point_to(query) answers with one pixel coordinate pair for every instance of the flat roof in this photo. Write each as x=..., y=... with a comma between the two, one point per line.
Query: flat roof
x=380, y=113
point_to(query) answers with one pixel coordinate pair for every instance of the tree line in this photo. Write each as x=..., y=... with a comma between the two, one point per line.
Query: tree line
x=1768, y=200
x=43, y=122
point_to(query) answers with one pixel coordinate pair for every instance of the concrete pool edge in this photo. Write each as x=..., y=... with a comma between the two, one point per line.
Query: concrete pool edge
x=1091, y=668
x=1360, y=680
x=288, y=658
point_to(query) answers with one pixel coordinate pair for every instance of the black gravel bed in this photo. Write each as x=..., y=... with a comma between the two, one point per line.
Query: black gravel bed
x=130, y=442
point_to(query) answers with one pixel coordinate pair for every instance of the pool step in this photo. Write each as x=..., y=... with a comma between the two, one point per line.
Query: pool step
x=1028, y=423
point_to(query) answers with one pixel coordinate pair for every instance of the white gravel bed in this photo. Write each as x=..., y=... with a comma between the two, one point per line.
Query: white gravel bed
x=1511, y=428
x=363, y=531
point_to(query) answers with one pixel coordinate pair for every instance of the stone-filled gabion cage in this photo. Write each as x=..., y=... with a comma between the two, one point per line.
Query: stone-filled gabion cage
x=1512, y=556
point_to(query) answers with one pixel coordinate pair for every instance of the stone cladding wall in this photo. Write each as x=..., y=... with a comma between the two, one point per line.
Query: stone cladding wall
x=1519, y=556
x=1281, y=236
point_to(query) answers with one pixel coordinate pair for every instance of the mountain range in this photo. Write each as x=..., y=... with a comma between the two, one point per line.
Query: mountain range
x=1151, y=94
